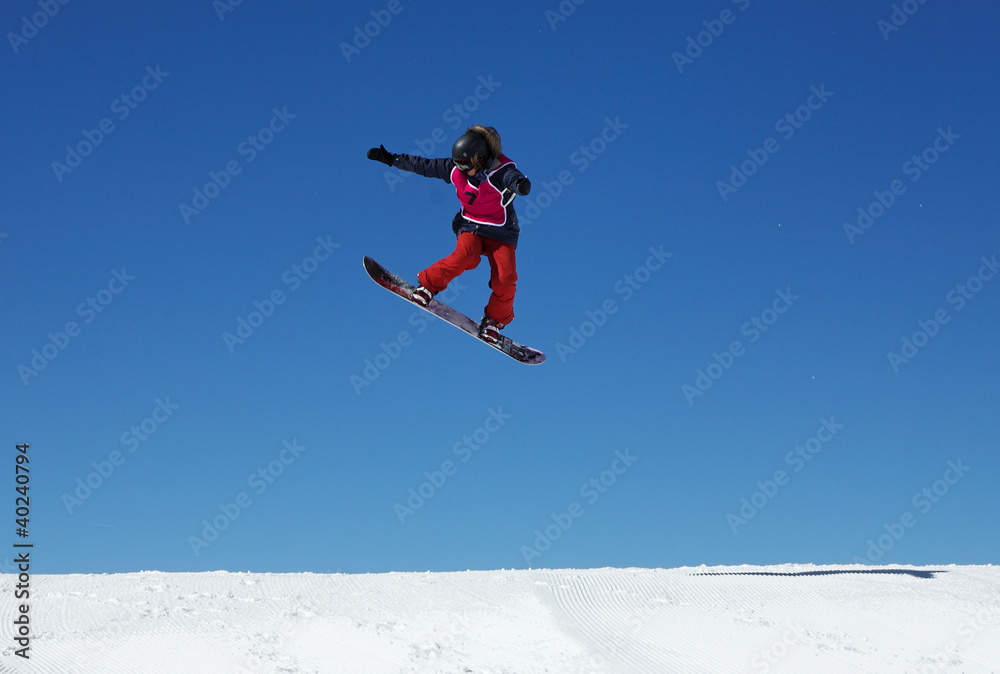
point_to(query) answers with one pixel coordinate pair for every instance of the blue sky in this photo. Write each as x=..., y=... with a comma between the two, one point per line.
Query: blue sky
x=743, y=367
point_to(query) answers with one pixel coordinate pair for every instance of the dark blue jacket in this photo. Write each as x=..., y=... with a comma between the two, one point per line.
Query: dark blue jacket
x=505, y=178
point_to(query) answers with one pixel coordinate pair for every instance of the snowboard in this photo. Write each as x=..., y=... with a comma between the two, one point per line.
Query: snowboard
x=398, y=286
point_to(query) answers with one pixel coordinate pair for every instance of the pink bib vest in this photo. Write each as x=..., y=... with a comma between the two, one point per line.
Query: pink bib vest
x=482, y=204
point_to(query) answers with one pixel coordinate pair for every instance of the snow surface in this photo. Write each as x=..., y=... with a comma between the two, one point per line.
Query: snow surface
x=791, y=618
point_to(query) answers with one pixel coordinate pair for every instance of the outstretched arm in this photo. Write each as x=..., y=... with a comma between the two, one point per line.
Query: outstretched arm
x=430, y=168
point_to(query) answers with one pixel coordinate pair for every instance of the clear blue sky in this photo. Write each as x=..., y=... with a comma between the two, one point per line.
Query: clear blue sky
x=692, y=260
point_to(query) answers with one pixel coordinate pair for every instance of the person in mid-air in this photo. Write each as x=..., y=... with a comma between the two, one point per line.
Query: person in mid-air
x=486, y=182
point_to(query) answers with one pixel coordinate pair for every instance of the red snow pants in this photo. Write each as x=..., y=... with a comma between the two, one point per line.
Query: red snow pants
x=468, y=250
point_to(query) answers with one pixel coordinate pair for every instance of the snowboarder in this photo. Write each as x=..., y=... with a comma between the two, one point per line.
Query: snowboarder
x=486, y=182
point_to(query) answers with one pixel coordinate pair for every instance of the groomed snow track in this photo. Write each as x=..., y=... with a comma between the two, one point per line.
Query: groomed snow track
x=787, y=618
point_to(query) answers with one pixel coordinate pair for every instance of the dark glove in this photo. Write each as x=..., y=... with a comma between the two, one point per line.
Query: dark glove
x=381, y=154
x=523, y=186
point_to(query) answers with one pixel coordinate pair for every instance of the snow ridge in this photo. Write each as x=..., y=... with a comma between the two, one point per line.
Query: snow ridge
x=790, y=618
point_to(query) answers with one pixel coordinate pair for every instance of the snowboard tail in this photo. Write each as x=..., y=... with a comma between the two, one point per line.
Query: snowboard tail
x=402, y=288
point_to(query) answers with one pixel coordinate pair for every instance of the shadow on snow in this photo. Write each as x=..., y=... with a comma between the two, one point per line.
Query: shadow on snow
x=831, y=572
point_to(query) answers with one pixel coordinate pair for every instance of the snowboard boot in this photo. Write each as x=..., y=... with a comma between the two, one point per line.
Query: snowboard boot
x=422, y=296
x=489, y=330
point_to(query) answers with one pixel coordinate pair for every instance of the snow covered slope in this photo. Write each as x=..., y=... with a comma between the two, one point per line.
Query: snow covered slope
x=802, y=619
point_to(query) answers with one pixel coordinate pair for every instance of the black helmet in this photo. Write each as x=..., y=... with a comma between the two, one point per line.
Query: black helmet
x=470, y=150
